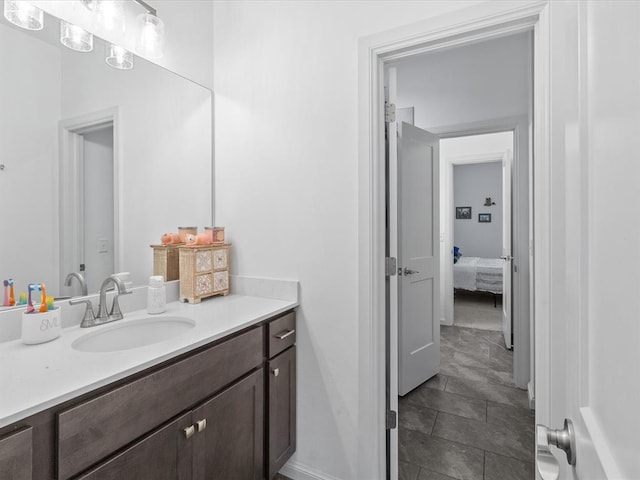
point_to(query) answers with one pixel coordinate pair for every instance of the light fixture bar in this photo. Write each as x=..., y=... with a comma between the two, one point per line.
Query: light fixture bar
x=147, y=7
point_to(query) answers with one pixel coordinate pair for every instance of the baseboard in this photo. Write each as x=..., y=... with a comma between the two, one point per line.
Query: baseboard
x=443, y=321
x=299, y=471
x=532, y=396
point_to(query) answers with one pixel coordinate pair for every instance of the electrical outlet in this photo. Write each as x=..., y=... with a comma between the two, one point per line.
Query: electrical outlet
x=103, y=245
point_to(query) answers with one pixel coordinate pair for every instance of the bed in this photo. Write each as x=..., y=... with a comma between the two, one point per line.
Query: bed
x=478, y=274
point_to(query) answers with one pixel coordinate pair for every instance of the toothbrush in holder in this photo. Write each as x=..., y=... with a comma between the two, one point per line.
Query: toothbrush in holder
x=32, y=287
x=43, y=301
x=9, y=299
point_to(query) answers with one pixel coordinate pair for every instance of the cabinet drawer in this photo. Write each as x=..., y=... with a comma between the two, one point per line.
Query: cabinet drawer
x=281, y=334
x=16, y=455
x=92, y=430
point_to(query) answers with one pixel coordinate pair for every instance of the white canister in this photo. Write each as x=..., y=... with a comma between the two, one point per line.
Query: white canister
x=41, y=327
x=156, y=295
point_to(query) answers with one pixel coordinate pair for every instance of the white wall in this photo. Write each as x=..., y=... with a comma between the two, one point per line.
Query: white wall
x=286, y=186
x=26, y=183
x=483, y=81
x=471, y=185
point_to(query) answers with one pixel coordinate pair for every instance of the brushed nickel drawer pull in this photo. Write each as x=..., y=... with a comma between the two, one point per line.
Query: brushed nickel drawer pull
x=285, y=333
x=189, y=431
x=276, y=372
x=201, y=424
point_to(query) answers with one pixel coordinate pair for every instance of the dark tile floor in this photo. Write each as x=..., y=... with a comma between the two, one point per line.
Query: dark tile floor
x=469, y=422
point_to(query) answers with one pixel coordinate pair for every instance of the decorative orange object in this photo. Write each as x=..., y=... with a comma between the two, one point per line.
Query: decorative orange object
x=200, y=239
x=170, y=239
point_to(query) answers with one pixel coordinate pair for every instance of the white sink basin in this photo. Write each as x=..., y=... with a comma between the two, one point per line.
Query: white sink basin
x=132, y=334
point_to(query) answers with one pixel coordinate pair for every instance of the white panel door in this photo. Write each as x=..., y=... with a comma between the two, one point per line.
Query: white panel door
x=418, y=257
x=593, y=347
x=507, y=259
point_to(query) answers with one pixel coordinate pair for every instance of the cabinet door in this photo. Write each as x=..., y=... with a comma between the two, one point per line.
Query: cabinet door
x=230, y=446
x=164, y=455
x=282, y=410
x=16, y=455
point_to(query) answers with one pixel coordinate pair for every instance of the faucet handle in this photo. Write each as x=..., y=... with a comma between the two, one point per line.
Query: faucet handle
x=89, y=318
x=116, y=313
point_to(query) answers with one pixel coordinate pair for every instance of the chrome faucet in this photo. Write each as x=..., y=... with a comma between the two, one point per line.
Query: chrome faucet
x=91, y=320
x=81, y=281
x=115, y=313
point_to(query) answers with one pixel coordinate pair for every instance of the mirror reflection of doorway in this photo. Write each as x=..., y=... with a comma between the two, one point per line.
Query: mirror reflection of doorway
x=98, y=204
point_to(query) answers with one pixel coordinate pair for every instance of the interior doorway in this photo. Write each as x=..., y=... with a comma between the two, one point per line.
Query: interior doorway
x=436, y=410
x=90, y=199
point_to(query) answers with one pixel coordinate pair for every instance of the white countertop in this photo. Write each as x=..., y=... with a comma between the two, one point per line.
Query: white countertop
x=36, y=377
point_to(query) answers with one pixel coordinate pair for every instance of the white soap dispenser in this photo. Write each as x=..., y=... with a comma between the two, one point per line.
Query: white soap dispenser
x=156, y=295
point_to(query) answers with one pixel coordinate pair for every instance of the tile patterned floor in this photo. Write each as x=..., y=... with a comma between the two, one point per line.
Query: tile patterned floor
x=469, y=422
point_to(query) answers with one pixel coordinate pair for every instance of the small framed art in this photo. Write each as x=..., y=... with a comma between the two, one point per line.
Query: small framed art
x=463, y=213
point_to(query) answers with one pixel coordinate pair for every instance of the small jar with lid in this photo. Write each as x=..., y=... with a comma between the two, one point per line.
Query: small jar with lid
x=156, y=295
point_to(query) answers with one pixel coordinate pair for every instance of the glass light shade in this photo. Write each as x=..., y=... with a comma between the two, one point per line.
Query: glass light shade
x=118, y=57
x=109, y=15
x=75, y=38
x=151, y=37
x=23, y=14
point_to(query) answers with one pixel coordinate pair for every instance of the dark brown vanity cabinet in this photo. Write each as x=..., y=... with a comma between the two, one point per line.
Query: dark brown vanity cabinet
x=281, y=392
x=223, y=411
x=16, y=453
x=221, y=439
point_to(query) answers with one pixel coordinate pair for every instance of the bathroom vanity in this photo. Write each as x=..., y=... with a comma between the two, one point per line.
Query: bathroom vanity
x=221, y=406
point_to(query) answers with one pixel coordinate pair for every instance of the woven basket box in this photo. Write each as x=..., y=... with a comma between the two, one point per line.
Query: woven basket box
x=166, y=261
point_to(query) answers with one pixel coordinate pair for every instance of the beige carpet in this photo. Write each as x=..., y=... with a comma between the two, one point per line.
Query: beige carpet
x=476, y=310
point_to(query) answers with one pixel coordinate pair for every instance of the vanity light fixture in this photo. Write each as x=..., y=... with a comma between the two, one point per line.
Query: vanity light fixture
x=75, y=38
x=118, y=57
x=23, y=14
x=109, y=14
x=150, y=42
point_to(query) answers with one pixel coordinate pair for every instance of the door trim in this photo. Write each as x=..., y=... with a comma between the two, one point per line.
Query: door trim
x=70, y=187
x=479, y=22
x=522, y=288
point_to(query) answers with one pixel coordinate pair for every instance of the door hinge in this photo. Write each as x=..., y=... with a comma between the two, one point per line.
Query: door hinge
x=389, y=112
x=390, y=266
x=392, y=419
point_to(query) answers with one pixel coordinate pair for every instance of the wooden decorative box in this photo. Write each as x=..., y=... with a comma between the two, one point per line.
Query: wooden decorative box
x=166, y=261
x=204, y=271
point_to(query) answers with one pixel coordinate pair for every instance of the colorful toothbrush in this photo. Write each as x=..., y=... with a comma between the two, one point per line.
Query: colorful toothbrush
x=9, y=300
x=43, y=300
x=12, y=298
x=23, y=298
x=50, y=303
x=32, y=287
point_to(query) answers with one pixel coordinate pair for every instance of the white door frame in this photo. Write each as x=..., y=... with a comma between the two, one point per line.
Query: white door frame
x=70, y=193
x=479, y=22
x=522, y=288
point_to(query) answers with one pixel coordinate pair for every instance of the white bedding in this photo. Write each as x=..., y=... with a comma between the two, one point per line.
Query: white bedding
x=475, y=273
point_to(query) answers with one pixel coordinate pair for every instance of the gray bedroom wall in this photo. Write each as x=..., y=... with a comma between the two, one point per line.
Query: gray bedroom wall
x=471, y=185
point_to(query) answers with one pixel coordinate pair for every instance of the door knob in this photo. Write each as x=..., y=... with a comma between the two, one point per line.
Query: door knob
x=564, y=439
x=408, y=271
x=508, y=258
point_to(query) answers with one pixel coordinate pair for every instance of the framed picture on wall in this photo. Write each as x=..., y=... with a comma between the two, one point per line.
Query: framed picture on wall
x=484, y=217
x=463, y=213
